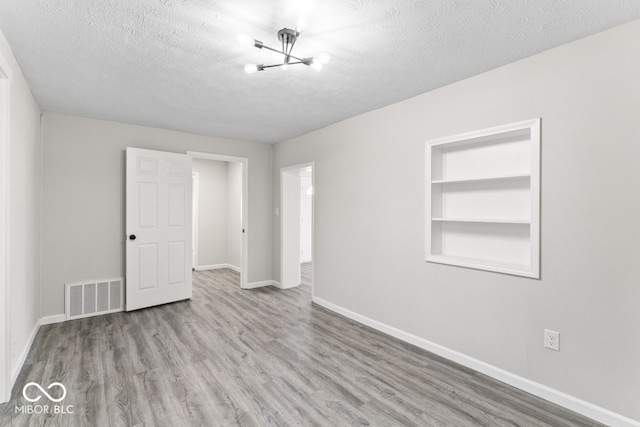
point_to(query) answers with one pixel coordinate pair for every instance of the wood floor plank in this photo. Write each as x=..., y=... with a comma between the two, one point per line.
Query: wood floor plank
x=261, y=357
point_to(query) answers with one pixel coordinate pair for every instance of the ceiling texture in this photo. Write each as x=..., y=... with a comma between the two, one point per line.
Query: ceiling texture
x=176, y=64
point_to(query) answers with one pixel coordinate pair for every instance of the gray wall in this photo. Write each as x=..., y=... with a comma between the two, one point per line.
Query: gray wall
x=369, y=223
x=84, y=182
x=234, y=214
x=212, y=215
x=219, y=220
x=25, y=207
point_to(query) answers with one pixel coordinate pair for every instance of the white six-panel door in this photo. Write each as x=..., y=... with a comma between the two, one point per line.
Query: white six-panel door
x=158, y=216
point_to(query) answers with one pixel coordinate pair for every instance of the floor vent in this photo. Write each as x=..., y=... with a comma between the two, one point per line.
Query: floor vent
x=86, y=299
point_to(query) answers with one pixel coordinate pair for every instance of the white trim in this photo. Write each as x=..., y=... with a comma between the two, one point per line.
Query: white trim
x=217, y=266
x=303, y=195
x=276, y=284
x=281, y=286
x=214, y=156
x=244, y=273
x=555, y=396
x=525, y=124
x=56, y=318
x=313, y=217
x=47, y=320
x=262, y=284
x=536, y=134
x=195, y=206
x=25, y=352
x=5, y=326
x=5, y=69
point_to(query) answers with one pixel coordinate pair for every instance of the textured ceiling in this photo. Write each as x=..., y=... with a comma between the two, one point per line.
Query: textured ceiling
x=176, y=64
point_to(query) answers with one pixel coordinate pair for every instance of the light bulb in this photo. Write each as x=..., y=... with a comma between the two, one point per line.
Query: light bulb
x=316, y=66
x=250, y=68
x=322, y=58
x=285, y=67
x=246, y=40
x=301, y=24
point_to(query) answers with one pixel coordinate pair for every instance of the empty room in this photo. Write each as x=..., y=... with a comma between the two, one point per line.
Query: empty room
x=319, y=213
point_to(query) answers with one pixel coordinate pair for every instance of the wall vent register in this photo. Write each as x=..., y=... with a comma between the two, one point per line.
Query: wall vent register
x=483, y=199
x=93, y=298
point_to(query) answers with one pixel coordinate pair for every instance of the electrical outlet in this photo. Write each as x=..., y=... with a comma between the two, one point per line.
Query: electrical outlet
x=552, y=340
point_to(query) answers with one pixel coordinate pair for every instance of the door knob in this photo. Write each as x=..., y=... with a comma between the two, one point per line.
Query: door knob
x=132, y=237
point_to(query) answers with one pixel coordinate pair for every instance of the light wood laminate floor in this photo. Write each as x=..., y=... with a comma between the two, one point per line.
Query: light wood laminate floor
x=258, y=357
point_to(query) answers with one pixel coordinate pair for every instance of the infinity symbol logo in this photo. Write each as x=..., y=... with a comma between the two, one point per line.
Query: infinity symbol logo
x=64, y=392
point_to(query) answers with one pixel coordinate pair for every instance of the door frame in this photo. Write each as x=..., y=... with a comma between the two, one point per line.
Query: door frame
x=244, y=268
x=313, y=221
x=302, y=196
x=5, y=329
x=195, y=226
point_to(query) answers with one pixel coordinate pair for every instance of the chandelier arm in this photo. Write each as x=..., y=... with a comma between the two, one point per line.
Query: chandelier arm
x=292, y=45
x=264, y=46
x=280, y=65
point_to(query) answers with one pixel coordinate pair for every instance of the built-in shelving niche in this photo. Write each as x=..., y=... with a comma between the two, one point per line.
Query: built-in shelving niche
x=483, y=199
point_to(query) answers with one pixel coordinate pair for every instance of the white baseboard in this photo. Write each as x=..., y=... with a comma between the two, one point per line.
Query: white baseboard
x=555, y=396
x=217, y=266
x=47, y=320
x=23, y=355
x=56, y=318
x=262, y=284
x=280, y=286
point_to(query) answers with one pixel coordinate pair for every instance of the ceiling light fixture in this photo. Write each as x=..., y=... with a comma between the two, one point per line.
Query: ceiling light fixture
x=288, y=38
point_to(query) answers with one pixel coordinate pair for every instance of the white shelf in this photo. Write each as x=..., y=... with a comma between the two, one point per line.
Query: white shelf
x=479, y=187
x=482, y=179
x=481, y=220
x=481, y=264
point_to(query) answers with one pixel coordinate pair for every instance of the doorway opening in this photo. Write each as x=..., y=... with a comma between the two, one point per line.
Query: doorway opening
x=297, y=207
x=219, y=226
